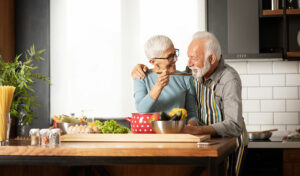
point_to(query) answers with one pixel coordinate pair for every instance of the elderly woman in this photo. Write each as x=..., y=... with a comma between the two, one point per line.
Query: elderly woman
x=160, y=91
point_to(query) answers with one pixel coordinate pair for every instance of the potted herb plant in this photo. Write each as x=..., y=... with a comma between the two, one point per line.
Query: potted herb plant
x=21, y=73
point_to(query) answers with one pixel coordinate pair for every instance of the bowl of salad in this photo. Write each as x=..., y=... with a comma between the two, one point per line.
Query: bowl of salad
x=63, y=122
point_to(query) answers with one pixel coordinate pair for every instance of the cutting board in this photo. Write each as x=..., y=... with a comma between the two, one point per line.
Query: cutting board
x=133, y=138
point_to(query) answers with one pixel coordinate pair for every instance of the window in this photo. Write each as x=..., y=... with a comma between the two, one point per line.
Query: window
x=95, y=44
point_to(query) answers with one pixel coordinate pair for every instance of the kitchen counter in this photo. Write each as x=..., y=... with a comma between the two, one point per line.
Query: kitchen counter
x=274, y=142
x=119, y=153
x=273, y=157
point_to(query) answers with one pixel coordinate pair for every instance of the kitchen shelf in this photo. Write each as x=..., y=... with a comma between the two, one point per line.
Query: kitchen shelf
x=279, y=29
x=293, y=54
x=293, y=11
x=280, y=12
x=272, y=12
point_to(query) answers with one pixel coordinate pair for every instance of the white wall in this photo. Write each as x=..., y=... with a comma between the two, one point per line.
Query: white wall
x=87, y=74
x=271, y=94
x=95, y=44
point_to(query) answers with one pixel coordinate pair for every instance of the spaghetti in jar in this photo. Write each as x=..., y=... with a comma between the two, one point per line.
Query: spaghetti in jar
x=6, y=97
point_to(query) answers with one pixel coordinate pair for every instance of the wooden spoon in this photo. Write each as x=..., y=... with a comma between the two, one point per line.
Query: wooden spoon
x=182, y=74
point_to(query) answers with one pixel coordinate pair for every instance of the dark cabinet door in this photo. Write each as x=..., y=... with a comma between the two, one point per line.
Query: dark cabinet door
x=291, y=164
x=236, y=24
x=243, y=29
x=263, y=162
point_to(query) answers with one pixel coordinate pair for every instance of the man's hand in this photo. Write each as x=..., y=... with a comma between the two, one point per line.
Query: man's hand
x=197, y=130
x=138, y=72
x=189, y=129
x=191, y=123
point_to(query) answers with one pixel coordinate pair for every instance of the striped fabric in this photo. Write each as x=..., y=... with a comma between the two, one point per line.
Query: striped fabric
x=209, y=112
x=240, y=152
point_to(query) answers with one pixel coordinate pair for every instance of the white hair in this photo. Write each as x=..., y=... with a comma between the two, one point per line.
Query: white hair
x=156, y=45
x=212, y=44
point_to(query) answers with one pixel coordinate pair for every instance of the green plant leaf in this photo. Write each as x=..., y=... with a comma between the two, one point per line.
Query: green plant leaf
x=17, y=58
x=21, y=73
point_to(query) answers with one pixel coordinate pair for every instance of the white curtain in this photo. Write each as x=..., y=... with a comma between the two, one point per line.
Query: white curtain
x=96, y=43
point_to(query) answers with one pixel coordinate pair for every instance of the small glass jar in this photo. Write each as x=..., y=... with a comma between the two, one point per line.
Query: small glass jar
x=54, y=137
x=44, y=137
x=35, y=136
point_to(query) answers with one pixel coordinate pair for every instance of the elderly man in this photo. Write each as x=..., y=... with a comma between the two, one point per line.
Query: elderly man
x=218, y=88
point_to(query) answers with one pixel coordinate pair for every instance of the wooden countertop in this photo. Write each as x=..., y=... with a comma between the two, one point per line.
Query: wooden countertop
x=120, y=149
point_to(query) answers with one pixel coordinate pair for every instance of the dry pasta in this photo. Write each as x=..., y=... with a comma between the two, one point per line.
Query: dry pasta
x=6, y=97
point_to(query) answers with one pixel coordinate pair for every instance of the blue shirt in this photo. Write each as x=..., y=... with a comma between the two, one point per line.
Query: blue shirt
x=179, y=93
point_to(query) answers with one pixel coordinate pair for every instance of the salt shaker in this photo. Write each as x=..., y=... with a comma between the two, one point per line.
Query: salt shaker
x=35, y=136
x=44, y=136
x=54, y=137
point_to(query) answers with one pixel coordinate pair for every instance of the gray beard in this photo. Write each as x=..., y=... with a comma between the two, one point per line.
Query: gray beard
x=200, y=72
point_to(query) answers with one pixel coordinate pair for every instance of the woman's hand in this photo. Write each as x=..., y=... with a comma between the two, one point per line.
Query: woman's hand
x=138, y=72
x=163, y=79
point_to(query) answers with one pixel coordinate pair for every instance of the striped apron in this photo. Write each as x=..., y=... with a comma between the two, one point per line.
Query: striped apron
x=210, y=112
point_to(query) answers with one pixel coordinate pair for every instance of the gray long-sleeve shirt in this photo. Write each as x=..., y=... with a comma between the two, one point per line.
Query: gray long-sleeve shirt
x=228, y=90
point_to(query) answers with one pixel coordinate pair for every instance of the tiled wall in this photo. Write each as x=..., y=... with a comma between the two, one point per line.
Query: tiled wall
x=271, y=94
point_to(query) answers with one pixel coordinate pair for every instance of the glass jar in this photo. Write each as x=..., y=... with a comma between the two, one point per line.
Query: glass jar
x=4, y=127
x=23, y=128
x=54, y=137
x=44, y=137
x=35, y=136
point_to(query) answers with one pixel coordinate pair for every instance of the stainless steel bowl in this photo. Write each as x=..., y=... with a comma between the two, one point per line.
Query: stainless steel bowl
x=64, y=126
x=167, y=127
x=260, y=136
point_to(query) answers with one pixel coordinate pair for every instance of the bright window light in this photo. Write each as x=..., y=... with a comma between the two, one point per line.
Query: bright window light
x=96, y=43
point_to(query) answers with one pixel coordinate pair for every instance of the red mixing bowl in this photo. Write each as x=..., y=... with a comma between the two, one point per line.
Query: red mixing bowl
x=140, y=123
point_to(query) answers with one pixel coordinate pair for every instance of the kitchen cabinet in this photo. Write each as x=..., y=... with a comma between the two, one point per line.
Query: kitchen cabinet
x=279, y=30
x=272, y=161
x=248, y=29
x=7, y=33
x=272, y=157
x=263, y=162
x=291, y=162
x=235, y=26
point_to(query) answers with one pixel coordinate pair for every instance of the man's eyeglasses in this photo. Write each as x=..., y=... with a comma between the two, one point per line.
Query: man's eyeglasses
x=171, y=57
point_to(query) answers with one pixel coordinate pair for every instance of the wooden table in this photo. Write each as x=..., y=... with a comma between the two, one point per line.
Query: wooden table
x=118, y=153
